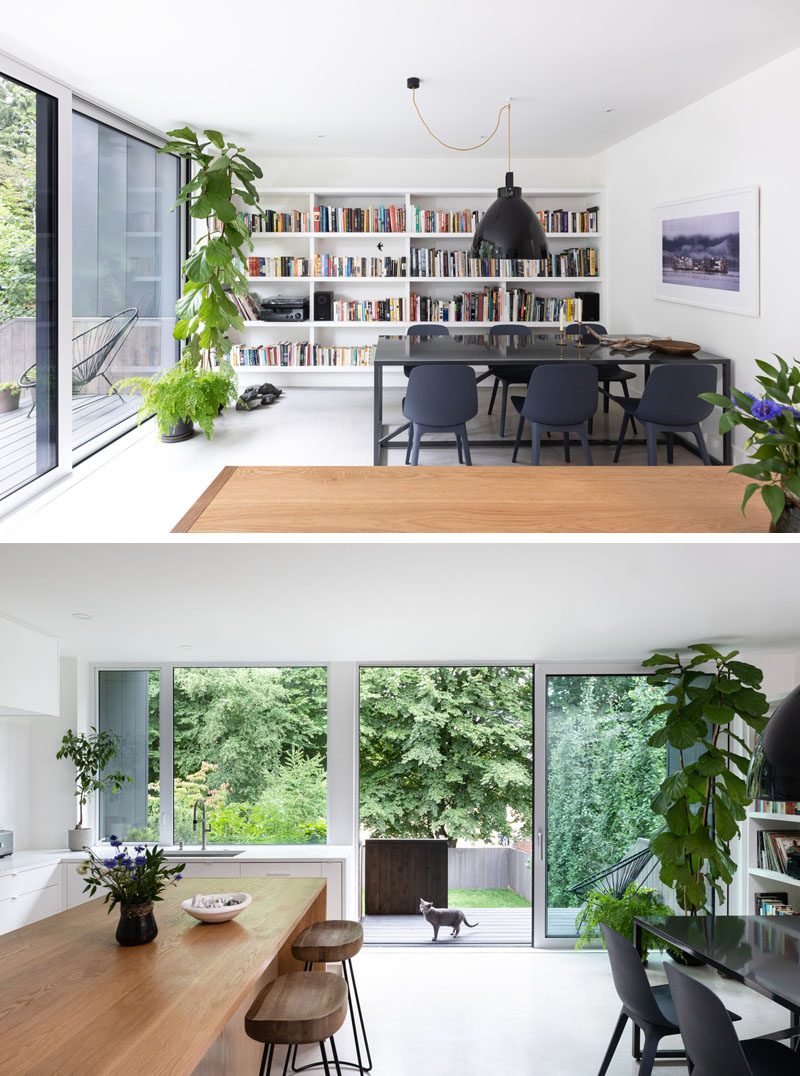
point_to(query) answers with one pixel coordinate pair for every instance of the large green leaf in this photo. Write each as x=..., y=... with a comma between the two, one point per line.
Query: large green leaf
x=216, y=138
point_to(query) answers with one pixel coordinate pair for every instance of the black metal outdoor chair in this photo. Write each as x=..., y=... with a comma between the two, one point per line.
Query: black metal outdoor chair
x=92, y=352
x=616, y=878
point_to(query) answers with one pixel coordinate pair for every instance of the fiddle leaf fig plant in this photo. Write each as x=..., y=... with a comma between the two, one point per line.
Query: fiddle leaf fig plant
x=203, y=380
x=90, y=753
x=704, y=799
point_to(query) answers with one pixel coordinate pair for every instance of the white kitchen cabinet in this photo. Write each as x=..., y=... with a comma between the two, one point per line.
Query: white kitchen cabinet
x=330, y=871
x=207, y=870
x=75, y=884
x=17, y=882
x=20, y=911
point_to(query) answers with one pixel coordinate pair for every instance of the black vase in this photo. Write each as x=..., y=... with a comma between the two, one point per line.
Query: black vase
x=789, y=521
x=137, y=924
x=181, y=431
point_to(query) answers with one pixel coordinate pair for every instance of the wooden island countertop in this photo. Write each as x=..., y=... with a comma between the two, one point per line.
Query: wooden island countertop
x=74, y=1002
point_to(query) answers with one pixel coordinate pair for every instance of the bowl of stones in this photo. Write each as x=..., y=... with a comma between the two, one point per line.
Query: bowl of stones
x=216, y=907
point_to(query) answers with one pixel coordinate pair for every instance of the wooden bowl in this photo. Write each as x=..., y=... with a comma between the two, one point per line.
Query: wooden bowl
x=674, y=347
x=218, y=915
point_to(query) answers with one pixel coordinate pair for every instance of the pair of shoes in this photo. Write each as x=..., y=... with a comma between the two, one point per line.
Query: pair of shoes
x=258, y=396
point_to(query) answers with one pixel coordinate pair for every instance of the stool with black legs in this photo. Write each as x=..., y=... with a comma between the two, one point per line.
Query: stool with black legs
x=337, y=941
x=298, y=1010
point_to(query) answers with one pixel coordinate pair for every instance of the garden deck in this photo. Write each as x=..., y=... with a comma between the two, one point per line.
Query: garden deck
x=497, y=926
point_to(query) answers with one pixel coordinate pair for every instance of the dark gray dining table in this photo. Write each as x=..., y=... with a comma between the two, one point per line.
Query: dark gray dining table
x=479, y=349
x=761, y=951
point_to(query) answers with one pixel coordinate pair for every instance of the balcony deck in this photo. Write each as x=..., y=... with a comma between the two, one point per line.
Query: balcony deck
x=91, y=416
x=496, y=926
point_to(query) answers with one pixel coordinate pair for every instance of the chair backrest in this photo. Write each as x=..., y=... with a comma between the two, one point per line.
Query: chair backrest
x=586, y=337
x=94, y=348
x=428, y=329
x=671, y=393
x=630, y=979
x=562, y=393
x=706, y=1028
x=441, y=395
x=510, y=330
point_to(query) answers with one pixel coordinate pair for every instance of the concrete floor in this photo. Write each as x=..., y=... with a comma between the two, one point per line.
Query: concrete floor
x=473, y=1012
x=138, y=488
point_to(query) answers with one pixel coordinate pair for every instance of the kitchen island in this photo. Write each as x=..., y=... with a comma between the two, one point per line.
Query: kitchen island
x=72, y=1001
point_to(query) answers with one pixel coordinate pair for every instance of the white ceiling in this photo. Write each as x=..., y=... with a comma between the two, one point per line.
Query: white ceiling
x=470, y=601
x=278, y=75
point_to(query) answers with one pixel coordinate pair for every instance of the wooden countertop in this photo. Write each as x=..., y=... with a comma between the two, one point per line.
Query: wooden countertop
x=523, y=500
x=72, y=1001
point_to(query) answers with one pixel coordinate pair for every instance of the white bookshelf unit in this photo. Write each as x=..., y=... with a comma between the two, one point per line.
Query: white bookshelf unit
x=397, y=245
x=761, y=880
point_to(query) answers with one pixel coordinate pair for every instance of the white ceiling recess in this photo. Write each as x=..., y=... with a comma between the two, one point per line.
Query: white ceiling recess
x=281, y=75
x=396, y=602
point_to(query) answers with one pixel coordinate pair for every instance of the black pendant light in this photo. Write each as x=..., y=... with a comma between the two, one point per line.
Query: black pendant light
x=509, y=228
x=774, y=772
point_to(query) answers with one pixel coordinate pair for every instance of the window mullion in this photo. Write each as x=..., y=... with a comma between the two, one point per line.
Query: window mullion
x=165, y=728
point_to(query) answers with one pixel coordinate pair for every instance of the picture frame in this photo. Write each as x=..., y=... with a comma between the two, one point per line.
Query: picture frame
x=706, y=251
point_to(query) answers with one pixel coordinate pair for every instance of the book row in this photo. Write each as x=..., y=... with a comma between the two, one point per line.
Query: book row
x=775, y=807
x=247, y=305
x=277, y=266
x=779, y=850
x=327, y=265
x=429, y=261
x=381, y=218
x=444, y=220
x=495, y=304
x=301, y=353
x=773, y=904
x=272, y=221
x=566, y=220
x=368, y=309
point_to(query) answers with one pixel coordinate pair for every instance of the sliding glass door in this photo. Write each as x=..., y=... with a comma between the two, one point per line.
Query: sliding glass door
x=596, y=779
x=125, y=244
x=28, y=284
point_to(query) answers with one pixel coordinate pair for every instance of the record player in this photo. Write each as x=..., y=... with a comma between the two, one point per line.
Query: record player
x=284, y=308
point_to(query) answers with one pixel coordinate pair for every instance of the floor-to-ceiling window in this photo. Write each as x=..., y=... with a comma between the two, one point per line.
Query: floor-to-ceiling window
x=125, y=258
x=250, y=742
x=28, y=285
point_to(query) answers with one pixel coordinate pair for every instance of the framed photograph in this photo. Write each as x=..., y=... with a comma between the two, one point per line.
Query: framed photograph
x=706, y=251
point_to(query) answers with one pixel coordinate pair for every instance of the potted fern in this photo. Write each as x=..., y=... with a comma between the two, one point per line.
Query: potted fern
x=203, y=381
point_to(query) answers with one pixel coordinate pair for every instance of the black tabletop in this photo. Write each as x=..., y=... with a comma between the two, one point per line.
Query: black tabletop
x=763, y=951
x=479, y=348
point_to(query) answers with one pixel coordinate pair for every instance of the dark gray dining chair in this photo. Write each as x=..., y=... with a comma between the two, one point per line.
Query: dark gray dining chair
x=607, y=374
x=651, y=1008
x=508, y=375
x=711, y=1042
x=561, y=397
x=423, y=331
x=670, y=404
x=440, y=399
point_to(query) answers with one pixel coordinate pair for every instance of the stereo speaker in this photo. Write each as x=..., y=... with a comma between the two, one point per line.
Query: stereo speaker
x=323, y=306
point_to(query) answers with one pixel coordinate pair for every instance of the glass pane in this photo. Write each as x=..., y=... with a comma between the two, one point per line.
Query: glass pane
x=252, y=744
x=28, y=384
x=446, y=752
x=601, y=777
x=128, y=707
x=124, y=271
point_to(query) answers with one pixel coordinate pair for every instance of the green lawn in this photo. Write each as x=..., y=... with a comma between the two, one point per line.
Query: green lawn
x=486, y=898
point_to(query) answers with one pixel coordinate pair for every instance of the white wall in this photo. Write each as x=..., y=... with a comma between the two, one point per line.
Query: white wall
x=15, y=754
x=28, y=670
x=742, y=135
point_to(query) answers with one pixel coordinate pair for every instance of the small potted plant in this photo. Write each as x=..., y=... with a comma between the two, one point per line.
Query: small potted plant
x=90, y=753
x=183, y=396
x=618, y=912
x=134, y=883
x=9, y=395
x=773, y=443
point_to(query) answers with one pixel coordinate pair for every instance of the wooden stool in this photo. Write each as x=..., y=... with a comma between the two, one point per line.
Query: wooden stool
x=297, y=1010
x=330, y=942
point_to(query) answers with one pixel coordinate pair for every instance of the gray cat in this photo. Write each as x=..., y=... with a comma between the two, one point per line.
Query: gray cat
x=444, y=917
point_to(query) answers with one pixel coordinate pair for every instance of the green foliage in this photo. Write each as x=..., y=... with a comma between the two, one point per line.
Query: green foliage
x=215, y=266
x=17, y=201
x=184, y=394
x=90, y=753
x=446, y=752
x=129, y=880
x=602, y=774
x=485, y=898
x=774, y=438
x=10, y=386
x=618, y=913
x=704, y=801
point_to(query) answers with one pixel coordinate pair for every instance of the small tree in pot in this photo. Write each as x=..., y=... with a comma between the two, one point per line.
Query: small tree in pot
x=90, y=753
x=704, y=800
x=203, y=381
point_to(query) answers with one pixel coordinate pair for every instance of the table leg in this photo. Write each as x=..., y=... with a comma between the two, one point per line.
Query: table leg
x=636, y=1038
x=727, y=438
x=377, y=414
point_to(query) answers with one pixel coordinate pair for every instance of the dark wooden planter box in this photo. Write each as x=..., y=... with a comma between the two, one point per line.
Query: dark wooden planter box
x=398, y=872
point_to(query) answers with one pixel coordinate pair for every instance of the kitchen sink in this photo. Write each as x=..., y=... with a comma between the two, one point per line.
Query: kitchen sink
x=200, y=853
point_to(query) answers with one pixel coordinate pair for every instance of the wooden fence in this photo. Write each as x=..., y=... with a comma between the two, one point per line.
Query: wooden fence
x=490, y=868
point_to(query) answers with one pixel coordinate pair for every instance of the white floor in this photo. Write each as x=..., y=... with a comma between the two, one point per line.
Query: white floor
x=138, y=488
x=471, y=1012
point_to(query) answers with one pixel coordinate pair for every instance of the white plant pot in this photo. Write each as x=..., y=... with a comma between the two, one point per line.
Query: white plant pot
x=78, y=839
